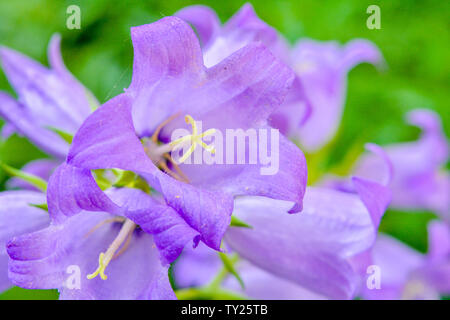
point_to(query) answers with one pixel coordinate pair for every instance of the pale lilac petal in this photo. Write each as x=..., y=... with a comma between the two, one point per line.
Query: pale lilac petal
x=17, y=217
x=196, y=266
x=309, y=248
x=51, y=99
x=418, y=182
x=437, y=271
x=43, y=260
x=262, y=285
x=48, y=98
x=7, y=130
x=15, y=113
x=396, y=262
x=243, y=28
x=322, y=69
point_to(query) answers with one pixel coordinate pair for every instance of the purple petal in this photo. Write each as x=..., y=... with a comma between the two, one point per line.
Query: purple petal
x=418, y=182
x=17, y=217
x=72, y=189
x=52, y=98
x=262, y=285
x=437, y=271
x=396, y=262
x=310, y=248
x=438, y=241
x=7, y=130
x=107, y=139
x=43, y=260
x=205, y=21
x=15, y=113
x=170, y=232
x=322, y=69
x=196, y=267
x=243, y=28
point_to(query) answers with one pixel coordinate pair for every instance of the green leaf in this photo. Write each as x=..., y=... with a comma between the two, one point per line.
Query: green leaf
x=42, y=206
x=229, y=266
x=67, y=137
x=30, y=178
x=235, y=222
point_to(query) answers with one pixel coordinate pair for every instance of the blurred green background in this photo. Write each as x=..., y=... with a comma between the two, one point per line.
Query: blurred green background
x=414, y=38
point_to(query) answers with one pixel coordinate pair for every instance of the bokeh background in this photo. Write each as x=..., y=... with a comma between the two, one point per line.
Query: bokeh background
x=414, y=39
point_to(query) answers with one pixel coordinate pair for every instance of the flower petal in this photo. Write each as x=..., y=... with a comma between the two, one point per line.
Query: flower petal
x=47, y=259
x=309, y=248
x=418, y=182
x=72, y=189
x=204, y=19
x=262, y=285
x=15, y=113
x=170, y=231
x=52, y=99
x=322, y=69
x=17, y=217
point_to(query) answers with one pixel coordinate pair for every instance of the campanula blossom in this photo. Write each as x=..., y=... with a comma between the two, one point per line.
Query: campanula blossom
x=49, y=99
x=132, y=132
x=420, y=181
x=408, y=274
x=65, y=255
x=315, y=252
x=313, y=108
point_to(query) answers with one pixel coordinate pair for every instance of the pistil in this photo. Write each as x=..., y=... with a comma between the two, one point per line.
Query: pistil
x=105, y=258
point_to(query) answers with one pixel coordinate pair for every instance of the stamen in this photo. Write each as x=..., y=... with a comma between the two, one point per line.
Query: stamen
x=162, y=125
x=194, y=140
x=105, y=258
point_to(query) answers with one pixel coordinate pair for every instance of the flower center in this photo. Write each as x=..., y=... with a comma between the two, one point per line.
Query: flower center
x=194, y=139
x=105, y=257
x=160, y=154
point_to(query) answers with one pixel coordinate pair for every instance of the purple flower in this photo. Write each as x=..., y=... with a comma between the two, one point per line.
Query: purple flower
x=419, y=182
x=170, y=79
x=312, y=110
x=49, y=99
x=76, y=255
x=408, y=274
x=18, y=216
x=322, y=250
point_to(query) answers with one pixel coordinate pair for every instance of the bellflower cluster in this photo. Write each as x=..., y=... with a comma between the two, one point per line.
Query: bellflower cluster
x=195, y=166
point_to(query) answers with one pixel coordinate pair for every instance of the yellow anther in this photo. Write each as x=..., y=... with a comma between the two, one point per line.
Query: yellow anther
x=100, y=270
x=194, y=139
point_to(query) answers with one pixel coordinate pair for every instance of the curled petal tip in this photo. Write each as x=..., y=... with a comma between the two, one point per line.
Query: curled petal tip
x=376, y=149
